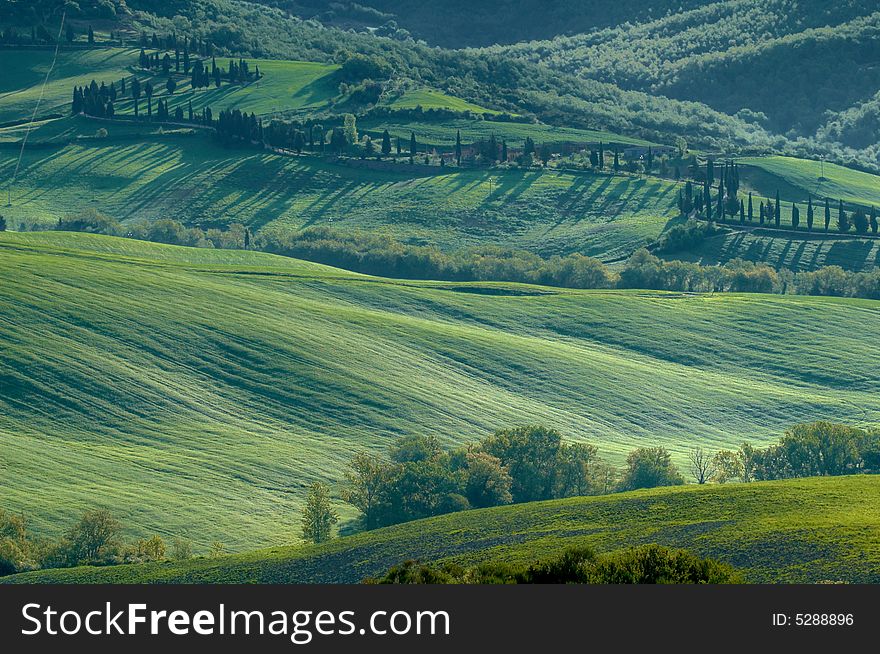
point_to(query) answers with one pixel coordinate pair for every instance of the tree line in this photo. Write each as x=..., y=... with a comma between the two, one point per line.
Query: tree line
x=96, y=538
x=236, y=72
x=807, y=450
x=381, y=255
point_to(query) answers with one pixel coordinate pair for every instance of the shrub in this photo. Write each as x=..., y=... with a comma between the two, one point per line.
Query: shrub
x=647, y=564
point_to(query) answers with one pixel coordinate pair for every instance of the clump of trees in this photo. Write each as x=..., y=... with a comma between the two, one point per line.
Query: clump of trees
x=417, y=478
x=647, y=564
x=807, y=450
x=94, y=539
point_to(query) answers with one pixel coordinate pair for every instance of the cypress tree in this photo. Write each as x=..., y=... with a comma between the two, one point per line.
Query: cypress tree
x=707, y=200
x=751, y=209
x=412, y=145
x=763, y=214
x=873, y=220
x=386, y=143
x=795, y=216
x=842, y=218
x=616, y=160
x=458, y=147
x=742, y=212
x=503, y=151
x=810, y=214
x=777, y=215
x=91, y=36
x=601, y=155
x=827, y=214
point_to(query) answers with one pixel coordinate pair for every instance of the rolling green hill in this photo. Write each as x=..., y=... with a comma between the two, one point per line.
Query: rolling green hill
x=195, y=180
x=198, y=392
x=809, y=530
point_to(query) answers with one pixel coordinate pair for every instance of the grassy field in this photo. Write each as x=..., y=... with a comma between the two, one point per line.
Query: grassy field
x=786, y=250
x=197, y=181
x=285, y=85
x=799, y=179
x=433, y=99
x=199, y=391
x=442, y=133
x=821, y=529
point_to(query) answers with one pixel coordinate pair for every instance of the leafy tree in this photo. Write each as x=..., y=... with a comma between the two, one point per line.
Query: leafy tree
x=366, y=483
x=488, y=482
x=414, y=449
x=576, y=470
x=649, y=467
x=530, y=454
x=702, y=466
x=319, y=516
x=170, y=86
x=860, y=221
x=349, y=129
x=93, y=539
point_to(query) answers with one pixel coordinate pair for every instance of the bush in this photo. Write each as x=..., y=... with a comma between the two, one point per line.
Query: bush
x=650, y=467
x=648, y=564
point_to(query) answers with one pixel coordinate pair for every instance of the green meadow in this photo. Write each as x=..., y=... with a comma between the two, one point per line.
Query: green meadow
x=195, y=180
x=433, y=99
x=793, y=531
x=442, y=133
x=198, y=392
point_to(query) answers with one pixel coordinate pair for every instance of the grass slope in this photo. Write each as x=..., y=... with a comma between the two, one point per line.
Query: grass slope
x=800, y=179
x=804, y=530
x=442, y=133
x=195, y=180
x=786, y=250
x=433, y=99
x=199, y=392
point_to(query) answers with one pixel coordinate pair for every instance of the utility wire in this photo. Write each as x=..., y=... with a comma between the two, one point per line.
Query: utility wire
x=36, y=109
